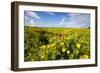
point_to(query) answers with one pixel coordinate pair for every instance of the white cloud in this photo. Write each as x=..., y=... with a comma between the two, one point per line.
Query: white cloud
x=33, y=14
x=26, y=17
x=75, y=20
x=74, y=14
x=29, y=18
x=78, y=20
x=50, y=13
x=31, y=23
x=62, y=22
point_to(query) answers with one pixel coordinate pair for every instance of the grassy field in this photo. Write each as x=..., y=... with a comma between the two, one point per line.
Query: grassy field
x=42, y=44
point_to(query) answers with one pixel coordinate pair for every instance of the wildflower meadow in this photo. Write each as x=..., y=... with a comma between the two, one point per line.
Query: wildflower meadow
x=43, y=44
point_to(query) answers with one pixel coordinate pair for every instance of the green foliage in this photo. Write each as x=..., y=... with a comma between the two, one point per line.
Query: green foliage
x=42, y=44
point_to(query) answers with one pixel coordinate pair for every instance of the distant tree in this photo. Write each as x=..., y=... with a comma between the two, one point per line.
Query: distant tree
x=88, y=27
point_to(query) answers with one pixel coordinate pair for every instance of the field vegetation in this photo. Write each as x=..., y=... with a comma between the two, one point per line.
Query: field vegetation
x=42, y=44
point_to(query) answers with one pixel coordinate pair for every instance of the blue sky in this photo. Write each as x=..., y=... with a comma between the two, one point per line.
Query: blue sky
x=56, y=19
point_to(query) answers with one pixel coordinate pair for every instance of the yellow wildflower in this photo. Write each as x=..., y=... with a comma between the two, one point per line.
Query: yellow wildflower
x=48, y=46
x=68, y=52
x=62, y=43
x=84, y=57
x=43, y=46
x=78, y=45
x=63, y=49
x=52, y=45
x=42, y=56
